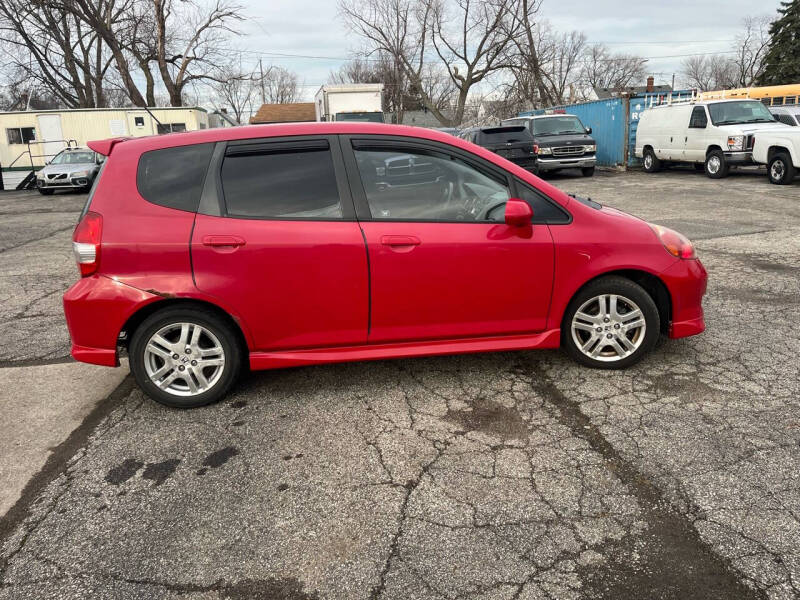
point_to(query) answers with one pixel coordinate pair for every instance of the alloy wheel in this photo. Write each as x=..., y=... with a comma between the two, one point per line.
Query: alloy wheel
x=184, y=359
x=608, y=327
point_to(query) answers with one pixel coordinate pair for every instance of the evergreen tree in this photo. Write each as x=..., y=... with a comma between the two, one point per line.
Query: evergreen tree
x=782, y=62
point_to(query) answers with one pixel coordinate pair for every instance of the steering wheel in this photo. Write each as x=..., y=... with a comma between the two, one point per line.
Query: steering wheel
x=484, y=214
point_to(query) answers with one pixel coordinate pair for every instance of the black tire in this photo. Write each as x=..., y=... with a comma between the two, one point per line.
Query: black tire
x=587, y=171
x=651, y=162
x=628, y=290
x=45, y=192
x=780, y=169
x=207, y=319
x=712, y=170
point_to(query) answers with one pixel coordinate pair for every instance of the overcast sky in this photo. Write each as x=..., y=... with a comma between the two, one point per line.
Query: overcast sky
x=651, y=29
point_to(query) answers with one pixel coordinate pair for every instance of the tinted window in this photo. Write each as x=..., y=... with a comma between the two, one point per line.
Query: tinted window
x=505, y=135
x=422, y=185
x=698, y=118
x=287, y=183
x=173, y=177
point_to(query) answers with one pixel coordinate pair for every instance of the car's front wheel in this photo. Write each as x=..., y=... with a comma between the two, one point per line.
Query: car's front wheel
x=716, y=165
x=185, y=357
x=610, y=324
x=587, y=171
x=780, y=170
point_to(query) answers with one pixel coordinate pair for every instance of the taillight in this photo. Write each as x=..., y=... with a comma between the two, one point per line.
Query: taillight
x=675, y=243
x=86, y=243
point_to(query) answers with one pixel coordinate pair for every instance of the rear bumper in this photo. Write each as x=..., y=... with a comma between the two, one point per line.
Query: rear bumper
x=579, y=162
x=96, y=309
x=526, y=163
x=686, y=281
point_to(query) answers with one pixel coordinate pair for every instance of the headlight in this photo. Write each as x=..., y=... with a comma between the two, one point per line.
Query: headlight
x=545, y=151
x=736, y=142
x=84, y=173
x=675, y=243
x=590, y=148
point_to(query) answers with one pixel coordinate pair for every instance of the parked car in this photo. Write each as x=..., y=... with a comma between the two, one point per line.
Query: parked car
x=276, y=246
x=70, y=169
x=514, y=143
x=788, y=115
x=563, y=141
x=715, y=134
x=780, y=151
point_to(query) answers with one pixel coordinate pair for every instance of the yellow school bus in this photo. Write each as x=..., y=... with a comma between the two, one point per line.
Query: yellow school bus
x=772, y=95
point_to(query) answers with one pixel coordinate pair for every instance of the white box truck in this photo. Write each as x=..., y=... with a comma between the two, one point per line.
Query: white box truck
x=350, y=102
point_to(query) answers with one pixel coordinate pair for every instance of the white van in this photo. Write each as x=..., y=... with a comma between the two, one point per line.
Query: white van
x=715, y=133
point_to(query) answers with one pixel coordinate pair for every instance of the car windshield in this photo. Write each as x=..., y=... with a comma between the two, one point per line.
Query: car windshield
x=363, y=117
x=70, y=157
x=745, y=111
x=557, y=125
x=505, y=135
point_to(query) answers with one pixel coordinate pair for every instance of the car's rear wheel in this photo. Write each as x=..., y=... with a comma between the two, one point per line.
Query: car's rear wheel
x=587, y=171
x=716, y=165
x=780, y=170
x=651, y=162
x=185, y=357
x=610, y=324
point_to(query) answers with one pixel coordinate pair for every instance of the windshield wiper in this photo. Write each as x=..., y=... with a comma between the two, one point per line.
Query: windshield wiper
x=570, y=131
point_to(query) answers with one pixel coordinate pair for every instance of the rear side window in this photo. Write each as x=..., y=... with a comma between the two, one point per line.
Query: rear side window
x=173, y=177
x=281, y=183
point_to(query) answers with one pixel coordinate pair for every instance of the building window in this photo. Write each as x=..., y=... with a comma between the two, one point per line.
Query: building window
x=21, y=135
x=171, y=127
x=138, y=121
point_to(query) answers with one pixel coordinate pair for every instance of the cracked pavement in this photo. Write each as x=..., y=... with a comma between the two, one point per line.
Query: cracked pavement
x=488, y=476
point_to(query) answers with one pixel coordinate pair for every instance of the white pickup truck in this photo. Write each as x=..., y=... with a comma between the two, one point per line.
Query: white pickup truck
x=779, y=149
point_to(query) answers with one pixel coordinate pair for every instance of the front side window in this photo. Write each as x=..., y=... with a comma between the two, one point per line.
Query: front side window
x=698, y=120
x=281, y=183
x=21, y=135
x=412, y=184
x=739, y=111
x=173, y=177
x=787, y=119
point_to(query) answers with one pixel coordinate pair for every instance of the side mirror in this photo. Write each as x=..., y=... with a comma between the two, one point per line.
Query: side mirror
x=588, y=130
x=518, y=213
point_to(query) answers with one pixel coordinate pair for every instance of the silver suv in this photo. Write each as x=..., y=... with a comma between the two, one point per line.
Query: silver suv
x=72, y=168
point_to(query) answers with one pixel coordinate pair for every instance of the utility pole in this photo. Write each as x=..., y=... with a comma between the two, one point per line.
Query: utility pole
x=673, y=82
x=263, y=95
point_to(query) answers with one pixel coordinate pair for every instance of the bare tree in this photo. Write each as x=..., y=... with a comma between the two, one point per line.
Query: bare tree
x=237, y=90
x=751, y=48
x=468, y=38
x=710, y=72
x=279, y=86
x=56, y=50
x=603, y=69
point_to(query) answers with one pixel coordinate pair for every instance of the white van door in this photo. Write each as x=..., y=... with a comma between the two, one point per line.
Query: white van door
x=696, y=139
x=51, y=136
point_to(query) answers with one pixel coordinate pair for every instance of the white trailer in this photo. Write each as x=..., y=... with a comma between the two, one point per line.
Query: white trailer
x=350, y=102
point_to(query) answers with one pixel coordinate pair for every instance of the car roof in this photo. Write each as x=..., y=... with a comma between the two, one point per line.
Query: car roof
x=222, y=134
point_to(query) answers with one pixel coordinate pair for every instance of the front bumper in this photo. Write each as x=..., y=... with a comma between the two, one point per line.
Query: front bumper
x=739, y=158
x=686, y=281
x=63, y=184
x=96, y=309
x=578, y=162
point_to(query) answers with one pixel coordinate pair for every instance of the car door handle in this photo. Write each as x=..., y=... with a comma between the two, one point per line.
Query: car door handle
x=400, y=240
x=217, y=241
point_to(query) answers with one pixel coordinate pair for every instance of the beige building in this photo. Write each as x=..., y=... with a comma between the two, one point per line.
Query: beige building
x=33, y=137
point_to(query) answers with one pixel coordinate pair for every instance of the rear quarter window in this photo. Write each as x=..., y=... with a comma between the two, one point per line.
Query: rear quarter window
x=173, y=177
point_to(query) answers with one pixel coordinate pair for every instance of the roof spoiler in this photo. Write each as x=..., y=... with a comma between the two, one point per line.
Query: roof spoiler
x=105, y=147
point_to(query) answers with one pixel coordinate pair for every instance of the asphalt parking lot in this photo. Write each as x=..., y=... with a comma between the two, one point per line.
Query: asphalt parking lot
x=490, y=476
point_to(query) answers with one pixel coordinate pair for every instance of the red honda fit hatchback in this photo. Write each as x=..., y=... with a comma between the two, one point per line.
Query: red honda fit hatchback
x=284, y=245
